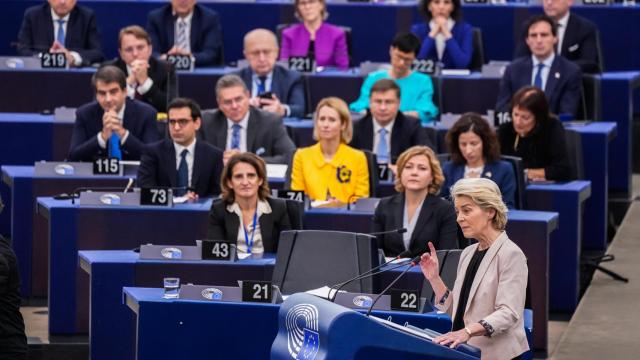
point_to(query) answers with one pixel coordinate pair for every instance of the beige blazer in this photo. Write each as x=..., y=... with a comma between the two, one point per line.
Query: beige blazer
x=497, y=296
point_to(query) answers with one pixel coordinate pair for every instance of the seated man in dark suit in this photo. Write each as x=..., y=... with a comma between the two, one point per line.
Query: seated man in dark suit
x=559, y=78
x=182, y=161
x=238, y=127
x=112, y=125
x=61, y=26
x=577, y=36
x=264, y=77
x=185, y=28
x=385, y=130
x=148, y=79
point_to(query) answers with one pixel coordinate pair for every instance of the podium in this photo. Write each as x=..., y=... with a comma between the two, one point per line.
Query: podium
x=313, y=328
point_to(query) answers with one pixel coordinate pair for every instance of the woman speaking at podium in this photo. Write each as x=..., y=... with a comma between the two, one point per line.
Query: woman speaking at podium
x=487, y=300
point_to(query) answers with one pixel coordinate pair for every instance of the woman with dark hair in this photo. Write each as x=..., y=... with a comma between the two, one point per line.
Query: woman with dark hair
x=535, y=136
x=246, y=214
x=315, y=38
x=446, y=38
x=475, y=152
x=416, y=207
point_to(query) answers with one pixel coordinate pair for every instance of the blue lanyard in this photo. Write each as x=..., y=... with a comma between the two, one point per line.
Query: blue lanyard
x=253, y=233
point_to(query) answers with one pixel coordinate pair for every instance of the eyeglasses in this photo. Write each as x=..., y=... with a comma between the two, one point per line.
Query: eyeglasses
x=180, y=122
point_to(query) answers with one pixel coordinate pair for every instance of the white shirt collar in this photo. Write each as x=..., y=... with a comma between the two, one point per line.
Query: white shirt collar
x=55, y=16
x=244, y=123
x=186, y=19
x=255, y=77
x=547, y=62
x=263, y=207
x=377, y=127
x=564, y=20
x=190, y=148
x=121, y=112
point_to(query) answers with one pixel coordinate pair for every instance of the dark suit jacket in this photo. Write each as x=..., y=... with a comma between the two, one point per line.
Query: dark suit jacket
x=458, y=50
x=286, y=84
x=579, y=44
x=205, y=37
x=501, y=172
x=436, y=223
x=139, y=119
x=406, y=132
x=563, y=88
x=158, y=167
x=545, y=147
x=224, y=225
x=266, y=135
x=82, y=36
x=165, y=84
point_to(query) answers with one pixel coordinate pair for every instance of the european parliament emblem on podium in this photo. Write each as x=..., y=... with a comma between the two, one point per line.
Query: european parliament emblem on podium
x=303, y=339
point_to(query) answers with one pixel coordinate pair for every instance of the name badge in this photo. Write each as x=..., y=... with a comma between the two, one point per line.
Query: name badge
x=216, y=250
x=155, y=196
x=405, y=300
x=291, y=195
x=181, y=62
x=53, y=60
x=424, y=66
x=257, y=291
x=106, y=166
x=302, y=64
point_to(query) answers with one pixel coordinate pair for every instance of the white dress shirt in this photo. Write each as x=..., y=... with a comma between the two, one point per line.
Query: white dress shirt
x=376, y=136
x=545, y=70
x=439, y=39
x=102, y=143
x=187, y=21
x=244, y=123
x=258, y=248
x=77, y=59
x=189, y=158
x=562, y=28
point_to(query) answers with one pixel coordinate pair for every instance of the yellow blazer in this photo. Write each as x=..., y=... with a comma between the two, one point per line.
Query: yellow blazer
x=345, y=177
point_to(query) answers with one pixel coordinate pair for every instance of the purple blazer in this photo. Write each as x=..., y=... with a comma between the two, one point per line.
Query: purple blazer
x=330, y=45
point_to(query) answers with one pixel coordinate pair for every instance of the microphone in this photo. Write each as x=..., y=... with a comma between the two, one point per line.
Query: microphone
x=394, y=231
x=128, y=185
x=413, y=263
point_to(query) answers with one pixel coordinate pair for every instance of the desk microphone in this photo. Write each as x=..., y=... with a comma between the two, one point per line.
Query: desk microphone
x=128, y=185
x=413, y=262
x=394, y=231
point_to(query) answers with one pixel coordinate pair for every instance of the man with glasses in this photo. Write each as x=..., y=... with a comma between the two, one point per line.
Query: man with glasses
x=416, y=89
x=272, y=87
x=190, y=166
x=113, y=125
x=238, y=127
x=148, y=79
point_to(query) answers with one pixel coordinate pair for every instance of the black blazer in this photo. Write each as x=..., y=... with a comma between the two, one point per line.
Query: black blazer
x=406, y=132
x=579, y=44
x=545, y=147
x=158, y=167
x=436, y=223
x=82, y=36
x=286, y=84
x=563, y=88
x=139, y=119
x=266, y=135
x=165, y=85
x=223, y=225
x=205, y=37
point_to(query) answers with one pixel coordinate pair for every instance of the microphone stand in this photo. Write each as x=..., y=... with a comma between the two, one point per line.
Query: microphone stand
x=413, y=263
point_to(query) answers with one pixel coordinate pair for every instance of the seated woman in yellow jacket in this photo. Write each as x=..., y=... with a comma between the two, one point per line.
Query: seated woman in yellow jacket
x=331, y=170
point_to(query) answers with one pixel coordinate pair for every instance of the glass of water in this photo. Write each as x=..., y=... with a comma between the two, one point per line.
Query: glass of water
x=171, y=287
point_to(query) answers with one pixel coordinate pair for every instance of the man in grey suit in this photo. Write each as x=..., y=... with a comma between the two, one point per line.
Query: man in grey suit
x=237, y=127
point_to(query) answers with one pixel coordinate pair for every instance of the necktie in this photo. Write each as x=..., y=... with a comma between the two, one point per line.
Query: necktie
x=181, y=39
x=262, y=84
x=235, y=136
x=537, y=81
x=114, y=146
x=383, y=147
x=60, y=35
x=183, y=174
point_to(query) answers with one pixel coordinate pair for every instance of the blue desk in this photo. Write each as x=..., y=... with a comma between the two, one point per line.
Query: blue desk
x=201, y=329
x=28, y=232
x=565, y=247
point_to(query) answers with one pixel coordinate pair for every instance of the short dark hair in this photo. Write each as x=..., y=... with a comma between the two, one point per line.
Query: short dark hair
x=423, y=9
x=227, y=173
x=109, y=74
x=179, y=103
x=533, y=100
x=541, y=18
x=406, y=42
x=475, y=123
x=384, y=85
